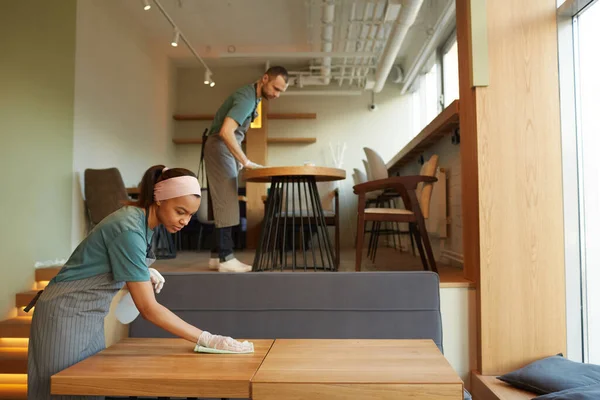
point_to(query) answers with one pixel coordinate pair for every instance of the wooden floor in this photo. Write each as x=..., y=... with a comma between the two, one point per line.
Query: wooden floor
x=387, y=260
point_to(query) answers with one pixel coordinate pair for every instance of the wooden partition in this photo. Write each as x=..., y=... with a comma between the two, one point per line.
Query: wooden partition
x=512, y=180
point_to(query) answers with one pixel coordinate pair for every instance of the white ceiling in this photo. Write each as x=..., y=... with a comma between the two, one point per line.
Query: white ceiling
x=223, y=32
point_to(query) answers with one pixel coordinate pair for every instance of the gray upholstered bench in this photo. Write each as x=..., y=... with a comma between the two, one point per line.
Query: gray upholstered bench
x=307, y=305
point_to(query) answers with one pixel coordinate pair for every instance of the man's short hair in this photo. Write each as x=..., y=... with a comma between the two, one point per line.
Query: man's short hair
x=276, y=71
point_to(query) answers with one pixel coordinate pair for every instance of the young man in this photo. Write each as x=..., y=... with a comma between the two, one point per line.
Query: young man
x=224, y=158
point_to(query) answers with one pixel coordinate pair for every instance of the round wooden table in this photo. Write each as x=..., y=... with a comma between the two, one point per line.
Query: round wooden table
x=293, y=204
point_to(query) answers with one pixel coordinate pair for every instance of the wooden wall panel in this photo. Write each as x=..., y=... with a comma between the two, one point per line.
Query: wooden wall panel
x=468, y=143
x=256, y=151
x=468, y=155
x=521, y=277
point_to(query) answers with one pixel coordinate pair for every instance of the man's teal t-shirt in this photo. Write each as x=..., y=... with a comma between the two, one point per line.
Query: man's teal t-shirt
x=118, y=245
x=239, y=106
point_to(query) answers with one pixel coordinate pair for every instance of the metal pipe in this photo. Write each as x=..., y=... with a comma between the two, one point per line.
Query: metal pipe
x=310, y=75
x=360, y=42
x=322, y=93
x=372, y=33
x=290, y=54
x=313, y=67
x=379, y=38
x=447, y=17
x=327, y=38
x=406, y=18
x=348, y=31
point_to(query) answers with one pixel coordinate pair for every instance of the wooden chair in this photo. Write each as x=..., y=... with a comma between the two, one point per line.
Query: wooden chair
x=377, y=169
x=416, y=195
x=104, y=192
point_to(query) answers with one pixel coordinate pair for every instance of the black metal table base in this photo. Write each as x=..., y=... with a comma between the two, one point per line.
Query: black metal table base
x=294, y=233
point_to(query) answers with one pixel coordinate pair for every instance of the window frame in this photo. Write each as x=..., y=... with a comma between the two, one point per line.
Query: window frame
x=442, y=50
x=568, y=58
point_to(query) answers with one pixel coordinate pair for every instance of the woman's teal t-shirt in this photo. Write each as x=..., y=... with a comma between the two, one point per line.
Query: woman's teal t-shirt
x=118, y=245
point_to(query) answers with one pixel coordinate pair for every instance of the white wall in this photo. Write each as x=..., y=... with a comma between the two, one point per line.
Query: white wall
x=124, y=90
x=36, y=125
x=458, y=307
x=449, y=159
x=339, y=119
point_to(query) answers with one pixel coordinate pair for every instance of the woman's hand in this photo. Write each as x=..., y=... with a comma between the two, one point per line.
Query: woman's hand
x=219, y=342
x=158, y=281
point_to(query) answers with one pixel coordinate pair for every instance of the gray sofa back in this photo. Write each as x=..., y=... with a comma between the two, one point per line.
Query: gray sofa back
x=325, y=305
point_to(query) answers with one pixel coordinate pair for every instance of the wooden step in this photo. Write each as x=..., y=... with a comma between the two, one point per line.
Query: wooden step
x=24, y=298
x=13, y=386
x=18, y=327
x=46, y=274
x=41, y=285
x=21, y=312
x=13, y=391
x=13, y=360
x=13, y=342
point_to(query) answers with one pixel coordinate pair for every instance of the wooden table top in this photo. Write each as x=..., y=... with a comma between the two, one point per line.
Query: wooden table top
x=321, y=174
x=377, y=369
x=161, y=368
x=356, y=360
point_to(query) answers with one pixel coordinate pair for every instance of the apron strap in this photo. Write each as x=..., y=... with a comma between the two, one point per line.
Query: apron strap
x=33, y=301
x=201, y=169
x=201, y=164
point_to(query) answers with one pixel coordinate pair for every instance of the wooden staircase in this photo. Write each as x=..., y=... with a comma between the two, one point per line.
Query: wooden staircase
x=14, y=339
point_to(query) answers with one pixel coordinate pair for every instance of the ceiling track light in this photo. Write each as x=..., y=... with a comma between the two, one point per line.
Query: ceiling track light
x=178, y=34
x=147, y=5
x=175, y=41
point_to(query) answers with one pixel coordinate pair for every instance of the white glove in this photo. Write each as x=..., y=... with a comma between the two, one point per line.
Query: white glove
x=157, y=280
x=251, y=165
x=218, y=342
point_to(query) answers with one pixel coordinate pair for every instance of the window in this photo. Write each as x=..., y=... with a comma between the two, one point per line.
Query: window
x=578, y=24
x=450, y=73
x=586, y=31
x=431, y=94
x=426, y=98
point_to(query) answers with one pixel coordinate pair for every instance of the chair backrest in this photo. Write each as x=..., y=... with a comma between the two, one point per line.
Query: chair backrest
x=104, y=192
x=377, y=166
x=359, y=176
x=424, y=190
x=367, y=170
x=202, y=213
x=327, y=194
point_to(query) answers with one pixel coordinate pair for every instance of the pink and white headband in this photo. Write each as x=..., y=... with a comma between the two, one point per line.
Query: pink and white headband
x=176, y=187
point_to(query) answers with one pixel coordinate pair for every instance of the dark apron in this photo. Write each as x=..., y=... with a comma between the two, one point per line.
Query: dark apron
x=222, y=172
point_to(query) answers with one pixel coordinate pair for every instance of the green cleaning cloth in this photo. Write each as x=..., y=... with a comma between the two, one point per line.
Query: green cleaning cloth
x=202, y=349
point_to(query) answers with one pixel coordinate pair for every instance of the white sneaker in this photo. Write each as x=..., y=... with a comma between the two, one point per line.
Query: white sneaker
x=234, y=265
x=213, y=264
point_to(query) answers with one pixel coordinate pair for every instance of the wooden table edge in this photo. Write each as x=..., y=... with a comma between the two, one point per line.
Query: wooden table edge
x=63, y=386
x=264, y=391
x=265, y=174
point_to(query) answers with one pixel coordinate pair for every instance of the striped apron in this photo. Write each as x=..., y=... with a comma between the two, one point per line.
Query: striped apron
x=222, y=173
x=67, y=327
